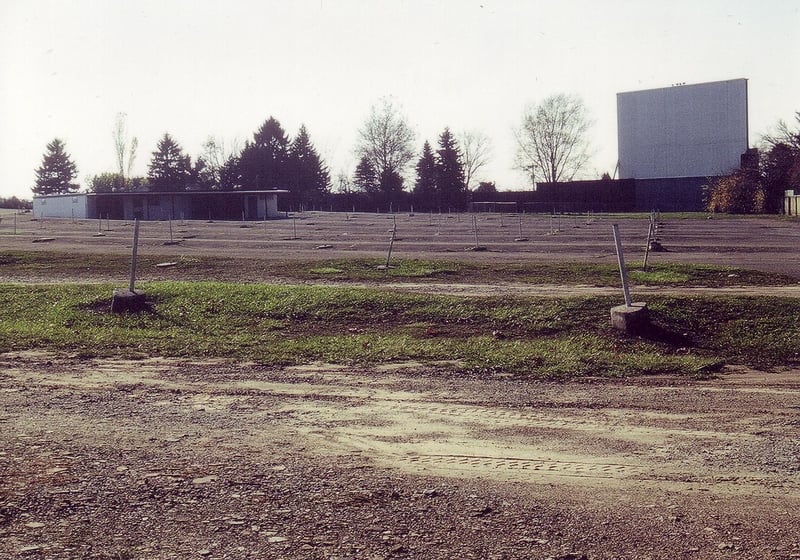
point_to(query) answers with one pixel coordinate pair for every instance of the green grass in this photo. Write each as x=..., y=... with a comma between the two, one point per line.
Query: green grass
x=669, y=276
x=77, y=265
x=536, y=337
x=537, y=273
x=374, y=269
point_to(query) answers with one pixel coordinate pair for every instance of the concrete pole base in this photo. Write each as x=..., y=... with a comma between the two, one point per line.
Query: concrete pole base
x=632, y=319
x=128, y=301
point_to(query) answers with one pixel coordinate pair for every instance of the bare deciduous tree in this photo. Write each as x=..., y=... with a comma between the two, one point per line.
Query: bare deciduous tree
x=476, y=149
x=552, y=143
x=343, y=183
x=784, y=134
x=216, y=154
x=124, y=148
x=134, y=143
x=386, y=140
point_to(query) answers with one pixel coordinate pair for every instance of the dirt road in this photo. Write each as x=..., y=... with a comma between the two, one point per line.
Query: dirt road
x=164, y=459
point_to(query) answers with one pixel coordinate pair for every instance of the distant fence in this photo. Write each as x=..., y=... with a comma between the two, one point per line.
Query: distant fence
x=609, y=195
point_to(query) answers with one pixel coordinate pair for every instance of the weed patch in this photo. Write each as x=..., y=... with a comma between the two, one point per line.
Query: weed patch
x=272, y=324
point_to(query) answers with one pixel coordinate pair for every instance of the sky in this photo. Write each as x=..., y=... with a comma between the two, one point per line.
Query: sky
x=200, y=68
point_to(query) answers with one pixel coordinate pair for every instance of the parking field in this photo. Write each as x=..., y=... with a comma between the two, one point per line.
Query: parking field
x=761, y=243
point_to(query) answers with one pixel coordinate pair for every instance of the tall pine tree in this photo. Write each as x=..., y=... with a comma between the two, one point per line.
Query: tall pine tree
x=426, y=194
x=169, y=169
x=263, y=163
x=365, y=178
x=450, y=173
x=308, y=177
x=57, y=172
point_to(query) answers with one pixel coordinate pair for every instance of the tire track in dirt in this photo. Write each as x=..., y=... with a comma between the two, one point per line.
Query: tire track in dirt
x=560, y=468
x=421, y=425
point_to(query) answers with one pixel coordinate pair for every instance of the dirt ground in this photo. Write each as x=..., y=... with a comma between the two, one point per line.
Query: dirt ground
x=162, y=458
x=167, y=459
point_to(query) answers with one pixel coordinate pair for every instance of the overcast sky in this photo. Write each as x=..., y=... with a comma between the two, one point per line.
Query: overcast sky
x=197, y=68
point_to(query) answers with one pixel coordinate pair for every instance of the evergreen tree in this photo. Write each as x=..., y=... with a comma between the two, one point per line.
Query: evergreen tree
x=263, y=163
x=391, y=185
x=309, y=179
x=169, y=169
x=365, y=178
x=450, y=173
x=57, y=172
x=201, y=177
x=425, y=191
x=230, y=177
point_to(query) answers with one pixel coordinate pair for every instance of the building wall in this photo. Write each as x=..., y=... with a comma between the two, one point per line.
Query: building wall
x=190, y=206
x=572, y=196
x=791, y=203
x=160, y=206
x=584, y=196
x=271, y=205
x=682, y=194
x=61, y=206
x=682, y=131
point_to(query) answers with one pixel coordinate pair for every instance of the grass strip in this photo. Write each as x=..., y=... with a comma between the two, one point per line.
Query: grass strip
x=536, y=337
x=79, y=265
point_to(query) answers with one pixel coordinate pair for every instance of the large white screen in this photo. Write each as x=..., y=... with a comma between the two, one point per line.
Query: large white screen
x=682, y=131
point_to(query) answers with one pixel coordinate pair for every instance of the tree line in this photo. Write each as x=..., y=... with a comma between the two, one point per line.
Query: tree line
x=552, y=146
x=15, y=203
x=389, y=170
x=273, y=160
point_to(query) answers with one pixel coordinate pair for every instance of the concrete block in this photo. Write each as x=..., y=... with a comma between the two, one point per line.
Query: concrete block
x=128, y=301
x=632, y=319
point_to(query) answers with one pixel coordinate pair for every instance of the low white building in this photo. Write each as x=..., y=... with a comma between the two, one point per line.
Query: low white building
x=63, y=206
x=193, y=205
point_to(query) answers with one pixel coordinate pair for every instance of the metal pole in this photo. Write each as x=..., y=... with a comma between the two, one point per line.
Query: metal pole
x=475, y=228
x=621, y=261
x=647, y=246
x=389, y=254
x=133, y=257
